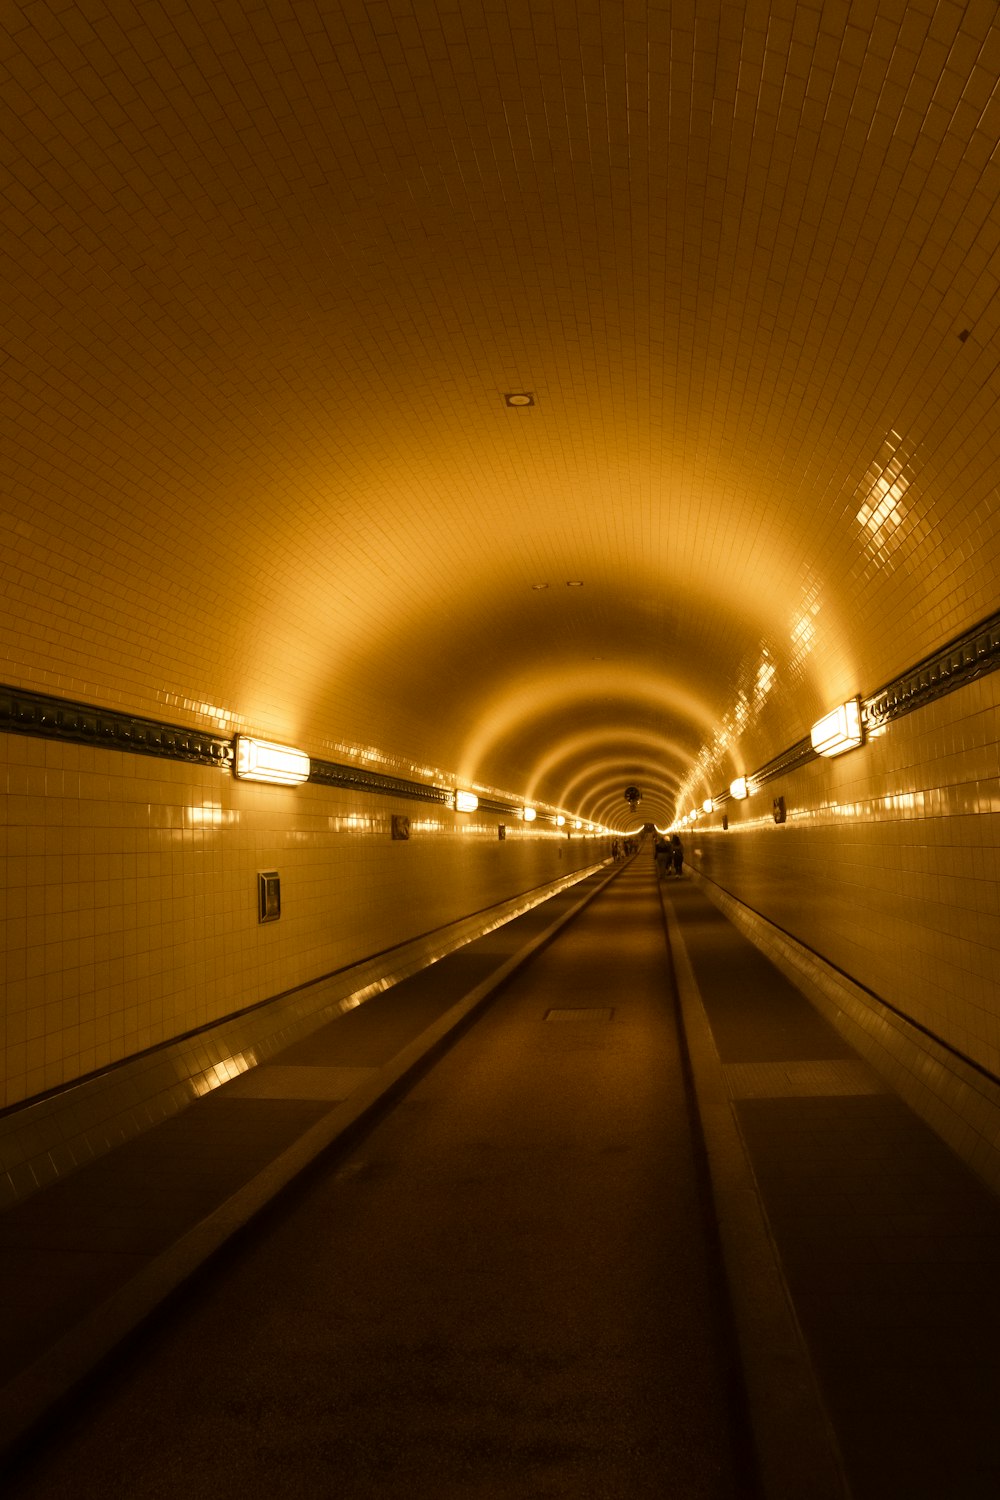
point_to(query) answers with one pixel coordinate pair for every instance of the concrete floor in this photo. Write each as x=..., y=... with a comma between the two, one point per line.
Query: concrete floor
x=507, y=1287
x=505, y=1278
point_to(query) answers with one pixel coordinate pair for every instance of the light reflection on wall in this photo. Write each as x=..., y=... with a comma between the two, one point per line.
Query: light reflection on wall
x=397, y=765
x=211, y=815
x=882, y=516
x=803, y=632
x=223, y=1072
x=757, y=678
x=225, y=720
x=379, y=824
x=352, y=823
x=964, y=799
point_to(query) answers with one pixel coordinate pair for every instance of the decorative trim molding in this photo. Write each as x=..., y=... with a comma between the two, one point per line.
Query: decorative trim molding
x=494, y=805
x=789, y=760
x=356, y=779
x=963, y=660
x=37, y=714
x=45, y=717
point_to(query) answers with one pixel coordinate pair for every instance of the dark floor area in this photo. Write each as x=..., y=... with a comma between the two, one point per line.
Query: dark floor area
x=505, y=1287
x=504, y=1283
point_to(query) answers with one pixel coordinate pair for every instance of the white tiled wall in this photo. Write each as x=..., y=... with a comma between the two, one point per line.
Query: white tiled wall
x=130, y=897
x=888, y=865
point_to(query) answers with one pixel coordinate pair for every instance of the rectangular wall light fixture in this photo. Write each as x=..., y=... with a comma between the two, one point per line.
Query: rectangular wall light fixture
x=839, y=731
x=738, y=788
x=466, y=801
x=260, y=760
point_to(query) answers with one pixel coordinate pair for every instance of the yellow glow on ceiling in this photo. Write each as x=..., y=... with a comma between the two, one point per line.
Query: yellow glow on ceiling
x=260, y=455
x=590, y=781
x=583, y=744
x=544, y=690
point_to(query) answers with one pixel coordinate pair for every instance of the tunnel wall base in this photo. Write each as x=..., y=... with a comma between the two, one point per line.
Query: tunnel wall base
x=46, y=1139
x=958, y=1101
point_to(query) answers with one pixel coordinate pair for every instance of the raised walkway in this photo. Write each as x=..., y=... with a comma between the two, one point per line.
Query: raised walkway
x=887, y=1244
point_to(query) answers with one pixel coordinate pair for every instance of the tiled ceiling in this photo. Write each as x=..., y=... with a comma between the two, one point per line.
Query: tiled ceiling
x=269, y=271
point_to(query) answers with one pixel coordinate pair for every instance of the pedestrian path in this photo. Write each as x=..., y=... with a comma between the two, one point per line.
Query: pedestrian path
x=888, y=1244
x=85, y=1261
x=867, y=1295
x=504, y=1287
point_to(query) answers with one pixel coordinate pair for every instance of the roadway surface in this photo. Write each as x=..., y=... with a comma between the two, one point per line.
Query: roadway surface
x=508, y=1285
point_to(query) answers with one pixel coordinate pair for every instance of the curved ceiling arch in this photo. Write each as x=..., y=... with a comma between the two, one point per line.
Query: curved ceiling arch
x=567, y=690
x=613, y=811
x=603, y=789
x=265, y=473
x=591, y=781
x=581, y=744
x=607, y=805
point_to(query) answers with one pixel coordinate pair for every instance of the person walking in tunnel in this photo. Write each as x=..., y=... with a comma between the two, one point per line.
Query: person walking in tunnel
x=662, y=857
x=677, y=852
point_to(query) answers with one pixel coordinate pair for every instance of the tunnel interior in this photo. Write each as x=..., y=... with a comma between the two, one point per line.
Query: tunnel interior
x=532, y=401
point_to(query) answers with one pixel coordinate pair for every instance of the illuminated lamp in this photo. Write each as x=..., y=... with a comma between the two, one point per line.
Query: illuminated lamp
x=839, y=731
x=466, y=801
x=560, y=821
x=738, y=788
x=260, y=760
x=529, y=815
x=577, y=823
x=707, y=805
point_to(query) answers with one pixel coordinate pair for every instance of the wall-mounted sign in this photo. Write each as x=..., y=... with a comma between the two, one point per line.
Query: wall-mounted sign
x=400, y=826
x=780, y=813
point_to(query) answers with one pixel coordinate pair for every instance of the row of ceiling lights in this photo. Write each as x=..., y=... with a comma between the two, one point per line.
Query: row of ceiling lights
x=284, y=765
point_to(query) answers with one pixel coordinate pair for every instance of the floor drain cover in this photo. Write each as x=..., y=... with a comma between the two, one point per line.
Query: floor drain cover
x=580, y=1013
